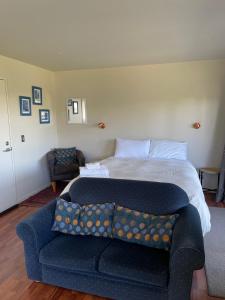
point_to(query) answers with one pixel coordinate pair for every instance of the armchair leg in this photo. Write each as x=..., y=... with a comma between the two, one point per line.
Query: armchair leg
x=53, y=183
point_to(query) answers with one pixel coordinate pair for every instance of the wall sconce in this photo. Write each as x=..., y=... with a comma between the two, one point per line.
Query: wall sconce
x=196, y=125
x=101, y=125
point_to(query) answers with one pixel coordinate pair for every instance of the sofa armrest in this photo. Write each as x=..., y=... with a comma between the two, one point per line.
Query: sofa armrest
x=80, y=158
x=35, y=232
x=186, y=254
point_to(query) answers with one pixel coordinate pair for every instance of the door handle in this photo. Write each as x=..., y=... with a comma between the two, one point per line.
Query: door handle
x=7, y=149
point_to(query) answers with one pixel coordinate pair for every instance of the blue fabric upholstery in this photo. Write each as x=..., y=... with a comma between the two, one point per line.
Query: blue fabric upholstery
x=151, y=197
x=36, y=232
x=103, y=285
x=74, y=253
x=117, y=276
x=186, y=254
x=135, y=262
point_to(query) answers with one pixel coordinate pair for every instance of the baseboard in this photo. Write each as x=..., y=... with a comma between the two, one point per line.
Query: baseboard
x=25, y=197
x=8, y=209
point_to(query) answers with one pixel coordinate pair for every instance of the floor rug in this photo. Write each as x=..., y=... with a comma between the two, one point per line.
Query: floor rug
x=215, y=253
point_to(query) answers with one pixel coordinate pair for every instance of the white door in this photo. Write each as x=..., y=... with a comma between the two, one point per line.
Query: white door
x=7, y=178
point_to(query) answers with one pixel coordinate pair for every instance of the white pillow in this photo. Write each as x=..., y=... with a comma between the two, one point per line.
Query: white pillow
x=168, y=149
x=132, y=148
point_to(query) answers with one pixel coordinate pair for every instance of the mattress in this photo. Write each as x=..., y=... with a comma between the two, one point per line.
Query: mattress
x=179, y=172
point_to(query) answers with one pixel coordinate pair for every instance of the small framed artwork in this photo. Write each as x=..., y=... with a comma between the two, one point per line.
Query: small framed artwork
x=37, y=95
x=75, y=108
x=25, y=106
x=69, y=102
x=44, y=116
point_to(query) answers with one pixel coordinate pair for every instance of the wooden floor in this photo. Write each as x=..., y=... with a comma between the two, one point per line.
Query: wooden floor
x=14, y=284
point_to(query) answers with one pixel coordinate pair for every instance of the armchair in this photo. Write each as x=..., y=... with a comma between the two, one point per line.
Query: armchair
x=62, y=169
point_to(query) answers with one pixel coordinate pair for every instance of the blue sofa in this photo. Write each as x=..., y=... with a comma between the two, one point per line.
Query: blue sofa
x=109, y=267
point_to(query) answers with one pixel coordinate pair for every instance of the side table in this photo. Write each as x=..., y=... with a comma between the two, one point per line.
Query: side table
x=209, y=171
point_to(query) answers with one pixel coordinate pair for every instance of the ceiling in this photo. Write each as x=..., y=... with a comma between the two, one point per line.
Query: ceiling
x=78, y=34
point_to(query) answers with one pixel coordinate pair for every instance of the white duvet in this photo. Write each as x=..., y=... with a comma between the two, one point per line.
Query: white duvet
x=179, y=172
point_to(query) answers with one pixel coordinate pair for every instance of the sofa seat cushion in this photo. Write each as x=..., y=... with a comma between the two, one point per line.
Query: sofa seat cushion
x=135, y=262
x=74, y=253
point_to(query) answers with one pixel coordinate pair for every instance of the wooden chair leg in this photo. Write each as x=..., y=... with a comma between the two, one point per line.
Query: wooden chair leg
x=53, y=183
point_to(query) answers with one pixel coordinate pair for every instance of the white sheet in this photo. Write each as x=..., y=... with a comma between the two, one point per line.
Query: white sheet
x=181, y=173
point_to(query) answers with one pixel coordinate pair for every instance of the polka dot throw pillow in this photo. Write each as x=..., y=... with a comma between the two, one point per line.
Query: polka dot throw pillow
x=66, y=216
x=91, y=219
x=96, y=219
x=143, y=228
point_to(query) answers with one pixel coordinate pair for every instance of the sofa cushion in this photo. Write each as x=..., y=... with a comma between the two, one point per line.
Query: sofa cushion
x=91, y=219
x=73, y=253
x=96, y=219
x=66, y=216
x=142, y=228
x=135, y=262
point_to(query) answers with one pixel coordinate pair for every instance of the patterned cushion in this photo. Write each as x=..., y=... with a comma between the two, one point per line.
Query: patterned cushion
x=96, y=219
x=91, y=219
x=142, y=228
x=65, y=156
x=66, y=216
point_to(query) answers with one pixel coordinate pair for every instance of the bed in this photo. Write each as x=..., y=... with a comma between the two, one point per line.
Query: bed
x=179, y=172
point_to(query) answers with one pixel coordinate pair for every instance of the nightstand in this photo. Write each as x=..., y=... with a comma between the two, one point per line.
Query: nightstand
x=209, y=171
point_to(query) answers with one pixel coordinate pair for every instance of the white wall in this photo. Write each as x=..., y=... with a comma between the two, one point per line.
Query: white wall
x=29, y=157
x=159, y=101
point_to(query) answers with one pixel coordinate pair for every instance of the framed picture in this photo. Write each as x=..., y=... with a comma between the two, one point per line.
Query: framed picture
x=37, y=95
x=69, y=102
x=25, y=106
x=75, y=108
x=44, y=116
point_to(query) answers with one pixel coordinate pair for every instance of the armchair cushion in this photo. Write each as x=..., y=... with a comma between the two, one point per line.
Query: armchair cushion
x=135, y=262
x=65, y=156
x=61, y=169
x=73, y=253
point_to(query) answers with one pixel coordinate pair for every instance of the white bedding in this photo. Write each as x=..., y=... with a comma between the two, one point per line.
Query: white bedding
x=179, y=172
